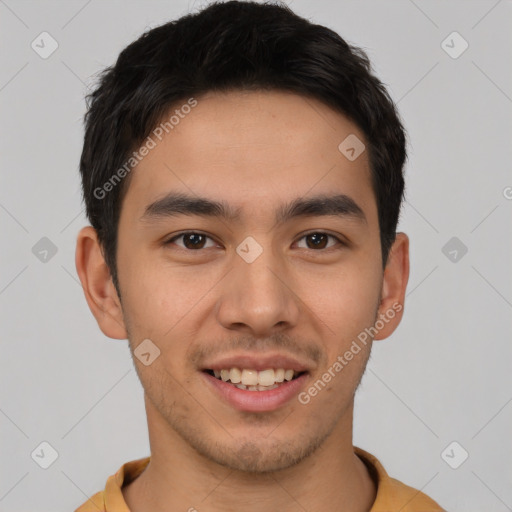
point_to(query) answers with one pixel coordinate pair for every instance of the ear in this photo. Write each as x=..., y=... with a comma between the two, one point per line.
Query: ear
x=394, y=284
x=97, y=284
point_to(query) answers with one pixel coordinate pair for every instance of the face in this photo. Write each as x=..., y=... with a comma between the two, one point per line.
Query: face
x=280, y=280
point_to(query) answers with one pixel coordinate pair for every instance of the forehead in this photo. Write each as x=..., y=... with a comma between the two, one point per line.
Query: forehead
x=250, y=149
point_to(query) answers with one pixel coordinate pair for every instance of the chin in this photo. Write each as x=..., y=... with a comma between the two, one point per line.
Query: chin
x=257, y=457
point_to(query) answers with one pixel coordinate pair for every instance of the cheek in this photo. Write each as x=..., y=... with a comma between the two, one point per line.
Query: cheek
x=157, y=306
x=162, y=300
x=346, y=300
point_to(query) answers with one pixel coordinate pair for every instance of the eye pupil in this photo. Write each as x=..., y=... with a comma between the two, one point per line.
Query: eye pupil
x=196, y=239
x=316, y=240
x=319, y=239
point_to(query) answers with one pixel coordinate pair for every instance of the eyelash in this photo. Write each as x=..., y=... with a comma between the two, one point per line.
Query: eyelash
x=180, y=235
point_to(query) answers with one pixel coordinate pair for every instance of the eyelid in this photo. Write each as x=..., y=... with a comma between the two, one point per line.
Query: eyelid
x=190, y=232
x=339, y=239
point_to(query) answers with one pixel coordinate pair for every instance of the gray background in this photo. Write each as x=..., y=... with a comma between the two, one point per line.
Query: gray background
x=444, y=376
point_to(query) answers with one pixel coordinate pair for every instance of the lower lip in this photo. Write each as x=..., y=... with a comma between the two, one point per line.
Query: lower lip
x=257, y=401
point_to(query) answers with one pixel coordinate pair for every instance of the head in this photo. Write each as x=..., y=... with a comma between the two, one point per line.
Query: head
x=238, y=113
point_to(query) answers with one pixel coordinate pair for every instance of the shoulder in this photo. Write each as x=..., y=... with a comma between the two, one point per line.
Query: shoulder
x=95, y=503
x=409, y=499
x=392, y=494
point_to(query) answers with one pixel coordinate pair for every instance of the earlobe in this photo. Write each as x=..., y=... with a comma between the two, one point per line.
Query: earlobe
x=394, y=284
x=97, y=284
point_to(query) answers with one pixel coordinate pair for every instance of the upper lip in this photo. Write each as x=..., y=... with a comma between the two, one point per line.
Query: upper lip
x=258, y=362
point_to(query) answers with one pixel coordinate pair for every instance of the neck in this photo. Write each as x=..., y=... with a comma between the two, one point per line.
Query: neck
x=179, y=478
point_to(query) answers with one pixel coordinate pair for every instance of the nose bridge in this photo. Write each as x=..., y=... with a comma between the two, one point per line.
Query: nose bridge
x=257, y=296
x=259, y=275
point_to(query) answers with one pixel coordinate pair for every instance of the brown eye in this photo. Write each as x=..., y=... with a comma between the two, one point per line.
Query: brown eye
x=194, y=241
x=191, y=240
x=319, y=240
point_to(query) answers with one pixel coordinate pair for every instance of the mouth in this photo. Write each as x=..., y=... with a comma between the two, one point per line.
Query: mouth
x=254, y=380
x=250, y=390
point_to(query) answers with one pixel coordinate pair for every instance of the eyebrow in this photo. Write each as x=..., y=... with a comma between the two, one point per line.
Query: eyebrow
x=175, y=204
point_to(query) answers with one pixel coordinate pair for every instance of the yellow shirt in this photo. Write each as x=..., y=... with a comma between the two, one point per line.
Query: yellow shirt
x=392, y=495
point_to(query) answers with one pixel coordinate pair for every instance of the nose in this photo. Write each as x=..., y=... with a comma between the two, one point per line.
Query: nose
x=258, y=297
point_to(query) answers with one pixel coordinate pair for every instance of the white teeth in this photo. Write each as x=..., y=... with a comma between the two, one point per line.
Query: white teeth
x=266, y=377
x=249, y=377
x=235, y=375
x=255, y=380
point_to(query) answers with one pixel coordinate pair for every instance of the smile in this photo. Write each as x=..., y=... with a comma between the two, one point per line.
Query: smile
x=254, y=380
x=279, y=387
